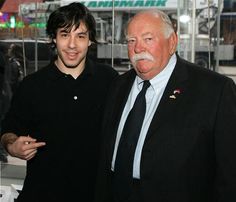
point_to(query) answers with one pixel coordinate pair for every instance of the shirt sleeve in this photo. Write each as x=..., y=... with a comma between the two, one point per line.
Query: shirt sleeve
x=19, y=116
x=225, y=144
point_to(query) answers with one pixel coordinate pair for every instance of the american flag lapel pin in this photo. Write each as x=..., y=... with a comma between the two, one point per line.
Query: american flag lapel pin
x=175, y=93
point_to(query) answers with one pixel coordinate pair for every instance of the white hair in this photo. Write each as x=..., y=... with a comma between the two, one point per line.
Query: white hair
x=168, y=29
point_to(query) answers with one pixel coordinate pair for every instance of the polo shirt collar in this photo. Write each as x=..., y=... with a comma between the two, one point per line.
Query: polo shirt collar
x=56, y=74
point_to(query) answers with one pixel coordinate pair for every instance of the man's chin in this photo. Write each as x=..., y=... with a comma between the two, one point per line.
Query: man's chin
x=71, y=66
x=143, y=68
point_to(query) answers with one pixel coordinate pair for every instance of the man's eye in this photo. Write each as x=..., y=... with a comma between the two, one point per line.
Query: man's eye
x=148, y=39
x=131, y=41
x=64, y=35
x=82, y=36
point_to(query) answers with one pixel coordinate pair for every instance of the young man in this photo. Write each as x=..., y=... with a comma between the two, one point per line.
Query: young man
x=54, y=120
x=185, y=149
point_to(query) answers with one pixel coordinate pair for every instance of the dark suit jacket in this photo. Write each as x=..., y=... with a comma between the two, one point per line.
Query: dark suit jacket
x=189, y=154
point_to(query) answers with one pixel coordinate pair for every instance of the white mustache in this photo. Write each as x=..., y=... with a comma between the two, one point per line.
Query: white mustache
x=142, y=56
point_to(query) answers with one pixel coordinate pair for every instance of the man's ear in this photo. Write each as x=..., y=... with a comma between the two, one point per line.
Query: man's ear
x=89, y=43
x=173, y=41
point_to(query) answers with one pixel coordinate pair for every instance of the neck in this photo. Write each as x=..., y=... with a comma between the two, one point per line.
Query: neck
x=74, y=72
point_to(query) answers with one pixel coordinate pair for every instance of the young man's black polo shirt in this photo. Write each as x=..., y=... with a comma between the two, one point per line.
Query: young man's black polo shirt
x=66, y=114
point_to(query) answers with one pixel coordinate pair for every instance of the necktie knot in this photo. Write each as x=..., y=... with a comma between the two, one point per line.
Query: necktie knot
x=142, y=93
x=146, y=84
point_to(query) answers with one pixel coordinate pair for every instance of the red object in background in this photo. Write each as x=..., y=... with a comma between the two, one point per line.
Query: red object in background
x=10, y=7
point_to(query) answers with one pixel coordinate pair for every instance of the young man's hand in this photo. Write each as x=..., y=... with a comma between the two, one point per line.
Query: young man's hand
x=23, y=147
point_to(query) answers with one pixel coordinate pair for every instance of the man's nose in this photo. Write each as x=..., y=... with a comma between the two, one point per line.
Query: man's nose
x=139, y=47
x=71, y=42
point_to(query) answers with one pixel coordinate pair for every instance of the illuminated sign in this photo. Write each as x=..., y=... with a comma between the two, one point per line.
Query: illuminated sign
x=28, y=9
x=12, y=22
x=124, y=4
x=139, y=4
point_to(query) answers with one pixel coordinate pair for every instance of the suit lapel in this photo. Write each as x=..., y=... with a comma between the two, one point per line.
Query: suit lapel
x=171, y=98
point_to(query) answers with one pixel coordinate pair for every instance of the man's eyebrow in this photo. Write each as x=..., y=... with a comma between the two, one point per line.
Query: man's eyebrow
x=143, y=35
x=68, y=31
x=85, y=32
x=63, y=31
x=130, y=37
x=146, y=33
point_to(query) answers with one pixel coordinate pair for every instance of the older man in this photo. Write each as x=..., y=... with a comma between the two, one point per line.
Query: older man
x=183, y=148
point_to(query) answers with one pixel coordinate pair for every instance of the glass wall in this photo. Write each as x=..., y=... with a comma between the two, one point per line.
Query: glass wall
x=201, y=35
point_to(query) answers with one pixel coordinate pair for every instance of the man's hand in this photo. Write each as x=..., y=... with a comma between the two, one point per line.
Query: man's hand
x=23, y=147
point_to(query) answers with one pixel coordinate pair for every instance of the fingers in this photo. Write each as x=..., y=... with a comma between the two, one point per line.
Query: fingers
x=25, y=147
x=27, y=154
x=33, y=145
x=30, y=155
x=30, y=149
x=26, y=139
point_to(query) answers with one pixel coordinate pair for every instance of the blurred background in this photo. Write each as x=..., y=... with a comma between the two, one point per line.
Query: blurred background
x=206, y=30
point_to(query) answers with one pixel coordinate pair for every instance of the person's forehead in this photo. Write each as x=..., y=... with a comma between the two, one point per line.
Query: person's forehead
x=144, y=26
x=82, y=28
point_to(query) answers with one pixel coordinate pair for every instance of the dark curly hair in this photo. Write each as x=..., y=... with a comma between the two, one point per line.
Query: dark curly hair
x=69, y=16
